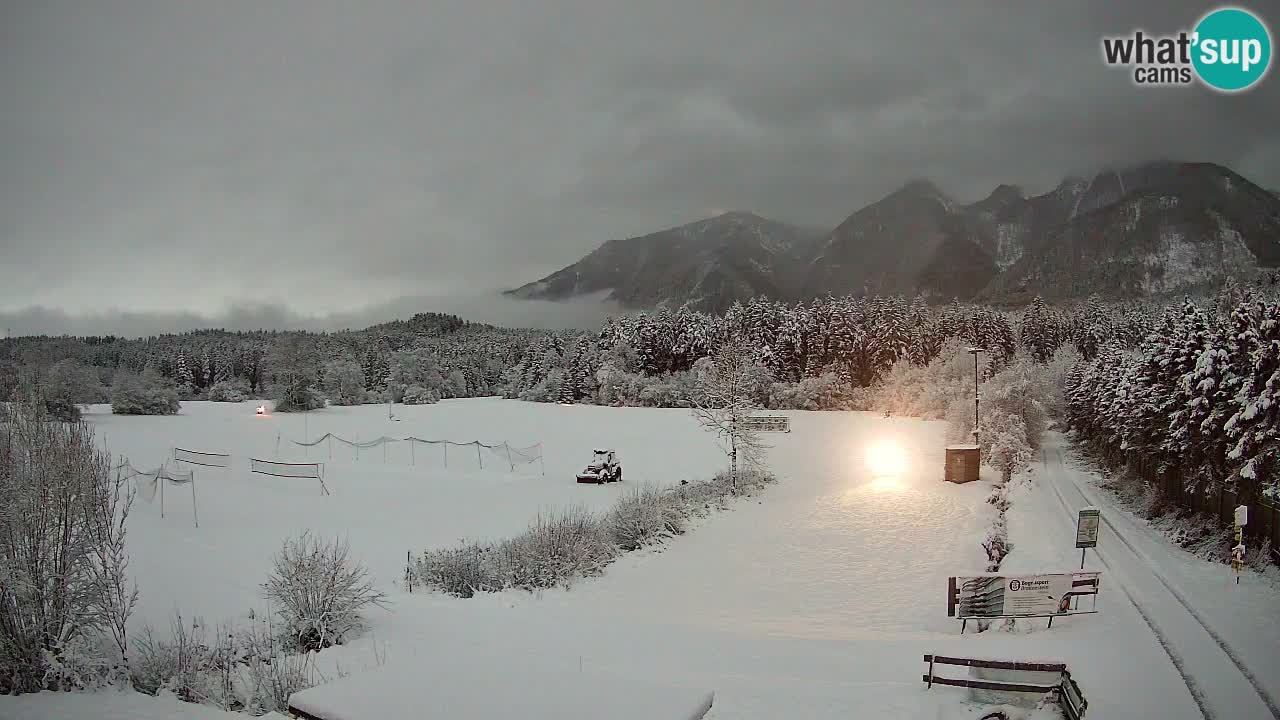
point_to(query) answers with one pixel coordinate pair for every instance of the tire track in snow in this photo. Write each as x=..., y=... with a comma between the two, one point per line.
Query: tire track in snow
x=1174, y=656
x=1263, y=694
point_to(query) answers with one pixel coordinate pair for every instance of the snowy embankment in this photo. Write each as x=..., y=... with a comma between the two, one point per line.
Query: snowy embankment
x=1146, y=653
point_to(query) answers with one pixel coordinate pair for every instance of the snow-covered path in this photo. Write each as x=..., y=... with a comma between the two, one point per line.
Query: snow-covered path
x=1219, y=637
x=812, y=601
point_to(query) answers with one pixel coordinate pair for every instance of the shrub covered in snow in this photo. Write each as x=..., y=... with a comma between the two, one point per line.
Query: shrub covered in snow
x=178, y=663
x=244, y=669
x=145, y=394
x=563, y=546
x=297, y=398
x=418, y=395
x=63, y=387
x=825, y=392
x=232, y=391
x=344, y=382
x=63, y=591
x=927, y=391
x=319, y=591
x=557, y=548
x=644, y=516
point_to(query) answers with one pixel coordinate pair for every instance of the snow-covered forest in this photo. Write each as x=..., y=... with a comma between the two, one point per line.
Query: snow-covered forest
x=1187, y=388
x=818, y=354
x=1197, y=398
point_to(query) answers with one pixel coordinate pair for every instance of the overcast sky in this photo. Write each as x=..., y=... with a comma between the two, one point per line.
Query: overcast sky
x=308, y=157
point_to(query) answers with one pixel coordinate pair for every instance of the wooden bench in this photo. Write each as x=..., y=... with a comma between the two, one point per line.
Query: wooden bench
x=1069, y=696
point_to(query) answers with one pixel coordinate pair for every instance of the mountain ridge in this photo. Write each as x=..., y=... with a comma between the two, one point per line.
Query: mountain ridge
x=1156, y=228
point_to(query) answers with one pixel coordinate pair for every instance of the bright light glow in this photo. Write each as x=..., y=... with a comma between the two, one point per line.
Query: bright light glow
x=885, y=459
x=886, y=483
x=262, y=409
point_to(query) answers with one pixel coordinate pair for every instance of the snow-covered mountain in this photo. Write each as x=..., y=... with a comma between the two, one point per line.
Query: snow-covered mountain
x=1158, y=228
x=1163, y=228
x=708, y=264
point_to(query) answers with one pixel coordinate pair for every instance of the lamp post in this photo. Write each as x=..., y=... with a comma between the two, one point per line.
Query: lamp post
x=975, y=352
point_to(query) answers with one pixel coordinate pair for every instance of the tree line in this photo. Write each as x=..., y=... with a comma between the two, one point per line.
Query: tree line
x=812, y=355
x=1197, y=398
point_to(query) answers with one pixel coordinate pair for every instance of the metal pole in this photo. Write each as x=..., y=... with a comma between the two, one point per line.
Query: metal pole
x=478, y=458
x=413, y=460
x=975, y=398
x=446, y=453
x=508, y=447
x=194, y=512
x=160, y=479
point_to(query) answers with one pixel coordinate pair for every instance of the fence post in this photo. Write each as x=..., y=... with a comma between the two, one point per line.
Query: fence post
x=478, y=458
x=509, y=462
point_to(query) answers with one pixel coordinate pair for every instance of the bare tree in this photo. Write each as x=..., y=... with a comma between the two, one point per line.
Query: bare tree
x=724, y=396
x=319, y=590
x=62, y=557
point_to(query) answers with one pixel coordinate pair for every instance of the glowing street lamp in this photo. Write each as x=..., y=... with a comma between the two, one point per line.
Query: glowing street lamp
x=886, y=458
x=975, y=352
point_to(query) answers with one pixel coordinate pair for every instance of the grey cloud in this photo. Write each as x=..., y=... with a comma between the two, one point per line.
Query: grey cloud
x=585, y=312
x=333, y=159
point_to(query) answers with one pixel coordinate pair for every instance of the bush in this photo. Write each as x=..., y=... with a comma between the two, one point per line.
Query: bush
x=558, y=548
x=563, y=546
x=232, y=391
x=234, y=670
x=929, y=391
x=298, y=398
x=319, y=591
x=644, y=516
x=179, y=665
x=825, y=392
x=63, y=592
x=145, y=394
x=418, y=395
x=344, y=382
x=65, y=386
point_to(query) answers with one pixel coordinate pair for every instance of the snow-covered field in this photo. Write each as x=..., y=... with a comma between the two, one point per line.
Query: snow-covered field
x=816, y=600
x=383, y=505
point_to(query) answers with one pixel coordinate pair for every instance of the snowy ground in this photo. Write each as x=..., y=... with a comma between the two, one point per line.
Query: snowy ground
x=1219, y=638
x=816, y=600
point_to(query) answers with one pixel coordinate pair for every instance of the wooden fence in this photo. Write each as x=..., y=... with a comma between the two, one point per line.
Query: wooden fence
x=1264, y=518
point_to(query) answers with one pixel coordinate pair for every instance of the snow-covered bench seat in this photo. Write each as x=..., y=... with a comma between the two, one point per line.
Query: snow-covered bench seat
x=1002, y=678
x=438, y=689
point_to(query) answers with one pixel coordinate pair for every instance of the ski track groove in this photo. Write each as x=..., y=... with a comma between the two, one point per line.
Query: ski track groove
x=1175, y=657
x=1221, y=642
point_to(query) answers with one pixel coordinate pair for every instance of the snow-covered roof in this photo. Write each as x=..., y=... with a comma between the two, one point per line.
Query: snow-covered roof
x=962, y=447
